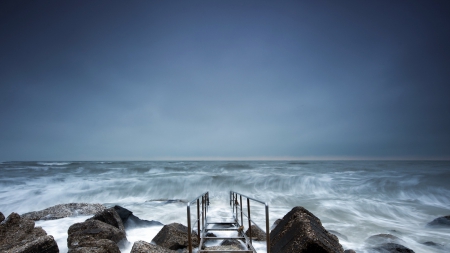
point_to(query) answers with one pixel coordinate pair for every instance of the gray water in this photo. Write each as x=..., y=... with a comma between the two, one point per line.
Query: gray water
x=357, y=199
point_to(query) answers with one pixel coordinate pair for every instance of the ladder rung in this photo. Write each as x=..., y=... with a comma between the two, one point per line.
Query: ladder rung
x=223, y=238
x=222, y=229
x=228, y=251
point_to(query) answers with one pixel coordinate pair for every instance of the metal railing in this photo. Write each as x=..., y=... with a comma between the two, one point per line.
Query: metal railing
x=203, y=202
x=236, y=204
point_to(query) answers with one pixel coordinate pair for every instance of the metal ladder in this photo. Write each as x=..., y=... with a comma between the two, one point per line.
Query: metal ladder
x=230, y=224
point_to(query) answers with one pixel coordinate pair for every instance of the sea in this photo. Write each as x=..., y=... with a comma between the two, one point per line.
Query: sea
x=354, y=199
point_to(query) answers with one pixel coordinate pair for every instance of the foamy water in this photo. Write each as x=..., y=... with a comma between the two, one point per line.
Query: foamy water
x=357, y=199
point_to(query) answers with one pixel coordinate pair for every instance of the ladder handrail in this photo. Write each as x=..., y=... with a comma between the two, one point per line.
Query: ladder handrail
x=204, y=203
x=234, y=203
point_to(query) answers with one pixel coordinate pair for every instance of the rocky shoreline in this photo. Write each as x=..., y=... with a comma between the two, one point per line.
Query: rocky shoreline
x=298, y=231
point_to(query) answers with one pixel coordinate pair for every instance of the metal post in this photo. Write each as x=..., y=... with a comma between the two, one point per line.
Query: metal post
x=198, y=219
x=242, y=220
x=249, y=220
x=189, y=226
x=267, y=229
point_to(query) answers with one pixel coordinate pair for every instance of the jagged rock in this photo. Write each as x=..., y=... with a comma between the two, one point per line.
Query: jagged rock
x=96, y=246
x=392, y=248
x=349, y=251
x=301, y=232
x=274, y=225
x=145, y=247
x=257, y=233
x=64, y=210
x=131, y=221
x=109, y=216
x=383, y=238
x=233, y=242
x=88, y=233
x=19, y=235
x=339, y=235
x=174, y=236
x=2, y=217
x=440, y=222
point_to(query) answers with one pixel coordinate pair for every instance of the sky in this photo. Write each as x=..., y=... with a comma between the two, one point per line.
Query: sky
x=180, y=80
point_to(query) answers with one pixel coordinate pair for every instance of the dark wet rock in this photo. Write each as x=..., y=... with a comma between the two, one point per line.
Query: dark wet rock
x=87, y=233
x=129, y=220
x=209, y=234
x=174, y=236
x=274, y=225
x=109, y=216
x=339, y=235
x=300, y=231
x=2, y=217
x=433, y=244
x=233, y=242
x=63, y=211
x=257, y=233
x=440, y=222
x=349, y=251
x=97, y=246
x=392, y=248
x=145, y=247
x=19, y=235
x=383, y=238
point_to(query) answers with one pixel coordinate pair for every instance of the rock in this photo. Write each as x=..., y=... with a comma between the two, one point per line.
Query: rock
x=299, y=232
x=383, y=238
x=274, y=225
x=339, y=235
x=440, y=222
x=64, y=210
x=392, y=248
x=145, y=247
x=20, y=235
x=131, y=221
x=89, y=232
x=433, y=244
x=2, y=217
x=349, y=251
x=174, y=236
x=97, y=246
x=233, y=242
x=109, y=216
x=257, y=233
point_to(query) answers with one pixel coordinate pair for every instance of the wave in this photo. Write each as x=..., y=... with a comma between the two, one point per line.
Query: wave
x=54, y=163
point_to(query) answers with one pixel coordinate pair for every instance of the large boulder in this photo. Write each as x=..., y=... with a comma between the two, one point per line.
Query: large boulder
x=96, y=246
x=174, y=236
x=145, y=247
x=109, y=216
x=387, y=243
x=443, y=221
x=64, y=210
x=301, y=232
x=87, y=235
x=2, y=217
x=129, y=220
x=19, y=235
x=257, y=233
x=392, y=248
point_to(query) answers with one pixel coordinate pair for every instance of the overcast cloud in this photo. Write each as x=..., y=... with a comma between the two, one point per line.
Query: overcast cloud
x=113, y=80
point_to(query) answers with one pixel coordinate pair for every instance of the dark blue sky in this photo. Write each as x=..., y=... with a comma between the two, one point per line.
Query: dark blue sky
x=126, y=80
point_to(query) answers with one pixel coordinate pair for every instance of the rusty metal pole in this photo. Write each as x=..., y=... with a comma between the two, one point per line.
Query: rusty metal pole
x=249, y=220
x=267, y=229
x=242, y=220
x=198, y=219
x=189, y=226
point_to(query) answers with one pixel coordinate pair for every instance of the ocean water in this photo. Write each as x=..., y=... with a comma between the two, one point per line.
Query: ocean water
x=357, y=199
